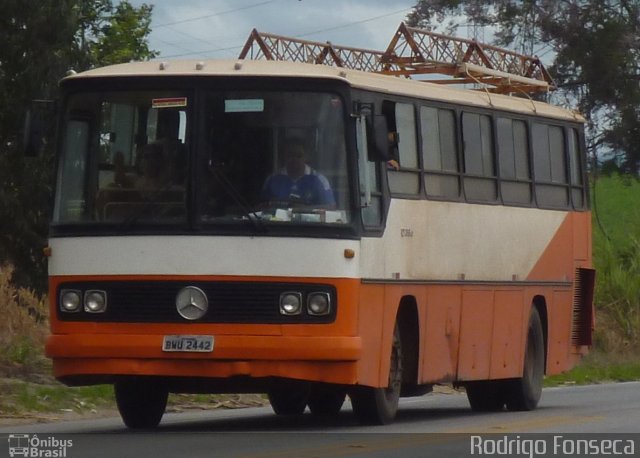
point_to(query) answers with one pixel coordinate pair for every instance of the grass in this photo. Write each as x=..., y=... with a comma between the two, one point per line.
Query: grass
x=599, y=367
x=616, y=256
x=20, y=397
x=616, y=210
x=23, y=330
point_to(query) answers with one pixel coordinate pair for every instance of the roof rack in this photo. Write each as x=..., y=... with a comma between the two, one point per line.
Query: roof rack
x=414, y=52
x=261, y=45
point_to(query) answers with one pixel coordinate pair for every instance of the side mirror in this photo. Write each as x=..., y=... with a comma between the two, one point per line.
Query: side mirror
x=38, y=127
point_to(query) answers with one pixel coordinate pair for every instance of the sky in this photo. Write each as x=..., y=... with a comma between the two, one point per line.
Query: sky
x=217, y=29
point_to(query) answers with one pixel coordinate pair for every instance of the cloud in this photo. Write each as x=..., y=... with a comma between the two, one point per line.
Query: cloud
x=218, y=29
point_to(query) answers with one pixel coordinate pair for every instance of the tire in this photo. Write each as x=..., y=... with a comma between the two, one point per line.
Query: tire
x=141, y=403
x=524, y=393
x=378, y=406
x=289, y=397
x=326, y=400
x=485, y=396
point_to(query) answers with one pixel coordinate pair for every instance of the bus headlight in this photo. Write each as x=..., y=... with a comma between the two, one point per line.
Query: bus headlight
x=290, y=303
x=319, y=304
x=95, y=301
x=70, y=300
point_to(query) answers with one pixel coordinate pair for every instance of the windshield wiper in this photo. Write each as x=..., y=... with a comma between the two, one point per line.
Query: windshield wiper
x=237, y=197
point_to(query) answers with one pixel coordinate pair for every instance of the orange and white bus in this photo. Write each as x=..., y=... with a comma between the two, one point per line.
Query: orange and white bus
x=455, y=246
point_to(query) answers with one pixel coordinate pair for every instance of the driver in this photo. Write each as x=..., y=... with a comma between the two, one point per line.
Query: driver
x=297, y=182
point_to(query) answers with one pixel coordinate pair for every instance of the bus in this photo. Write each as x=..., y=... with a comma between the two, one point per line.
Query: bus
x=453, y=244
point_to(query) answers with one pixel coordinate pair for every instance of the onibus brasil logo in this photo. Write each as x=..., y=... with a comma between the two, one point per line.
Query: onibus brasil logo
x=33, y=446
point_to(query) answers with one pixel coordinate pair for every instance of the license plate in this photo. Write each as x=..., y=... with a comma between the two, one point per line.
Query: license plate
x=198, y=344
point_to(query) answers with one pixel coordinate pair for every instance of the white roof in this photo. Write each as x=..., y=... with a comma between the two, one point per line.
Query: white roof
x=357, y=79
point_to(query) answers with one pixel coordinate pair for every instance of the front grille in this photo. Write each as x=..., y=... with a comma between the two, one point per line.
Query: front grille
x=229, y=302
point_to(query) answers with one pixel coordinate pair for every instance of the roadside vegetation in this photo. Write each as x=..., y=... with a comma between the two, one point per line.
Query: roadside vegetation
x=23, y=330
x=616, y=253
x=28, y=388
x=600, y=367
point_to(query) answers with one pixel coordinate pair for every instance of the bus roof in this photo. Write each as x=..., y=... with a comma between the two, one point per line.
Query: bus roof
x=357, y=79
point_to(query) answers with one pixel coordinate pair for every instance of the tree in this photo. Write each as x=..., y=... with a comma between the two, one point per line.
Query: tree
x=32, y=59
x=41, y=40
x=124, y=37
x=596, y=55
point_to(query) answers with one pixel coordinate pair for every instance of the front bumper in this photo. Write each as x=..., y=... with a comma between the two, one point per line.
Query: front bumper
x=103, y=357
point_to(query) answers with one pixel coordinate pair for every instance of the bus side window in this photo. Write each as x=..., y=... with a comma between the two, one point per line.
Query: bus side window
x=513, y=147
x=439, y=152
x=406, y=179
x=576, y=166
x=368, y=178
x=73, y=174
x=480, y=181
x=550, y=166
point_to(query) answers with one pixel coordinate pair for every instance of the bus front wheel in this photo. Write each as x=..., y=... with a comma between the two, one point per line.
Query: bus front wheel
x=289, y=397
x=141, y=403
x=378, y=406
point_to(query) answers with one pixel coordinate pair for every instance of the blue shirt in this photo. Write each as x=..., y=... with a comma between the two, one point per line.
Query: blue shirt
x=310, y=189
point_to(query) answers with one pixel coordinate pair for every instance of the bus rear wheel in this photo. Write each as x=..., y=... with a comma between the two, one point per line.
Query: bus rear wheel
x=141, y=403
x=524, y=393
x=485, y=396
x=378, y=406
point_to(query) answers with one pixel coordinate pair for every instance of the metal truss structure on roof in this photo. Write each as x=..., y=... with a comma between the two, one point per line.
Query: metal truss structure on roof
x=414, y=52
x=268, y=46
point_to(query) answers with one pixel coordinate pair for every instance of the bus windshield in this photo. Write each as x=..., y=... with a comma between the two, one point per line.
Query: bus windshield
x=275, y=156
x=151, y=157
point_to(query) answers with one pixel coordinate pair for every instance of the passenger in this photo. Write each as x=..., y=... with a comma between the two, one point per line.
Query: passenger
x=154, y=168
x=297, y=182
x=120, y=177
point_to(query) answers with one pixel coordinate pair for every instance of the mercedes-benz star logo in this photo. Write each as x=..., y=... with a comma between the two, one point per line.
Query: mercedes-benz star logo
x=192, y=303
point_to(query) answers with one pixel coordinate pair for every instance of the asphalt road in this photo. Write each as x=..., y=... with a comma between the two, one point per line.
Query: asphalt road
x=432, y=425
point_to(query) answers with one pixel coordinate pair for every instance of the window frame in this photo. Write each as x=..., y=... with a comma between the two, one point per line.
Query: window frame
x=475, y=179
x=394, y=174
x=547, y=184
x=580, y=169
x=516, y=180
x=442, y=173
